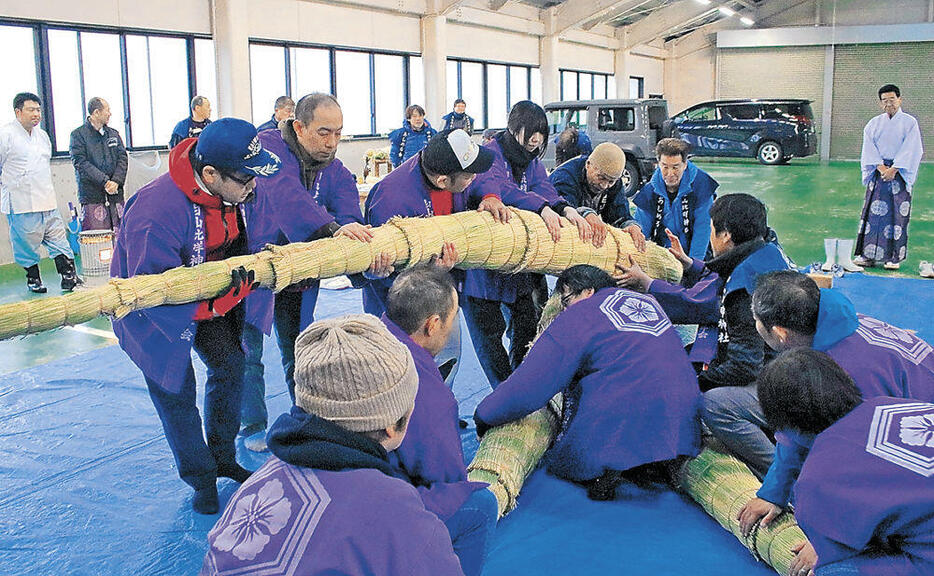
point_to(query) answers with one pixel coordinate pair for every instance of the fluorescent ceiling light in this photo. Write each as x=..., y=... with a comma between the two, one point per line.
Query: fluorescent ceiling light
x=704, y=2
x=747, y=21
x=726, y=11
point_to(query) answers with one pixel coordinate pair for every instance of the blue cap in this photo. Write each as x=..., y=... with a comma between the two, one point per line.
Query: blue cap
x=231, y=145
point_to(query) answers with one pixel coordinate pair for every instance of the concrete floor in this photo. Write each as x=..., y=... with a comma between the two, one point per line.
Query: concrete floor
x=807, y=201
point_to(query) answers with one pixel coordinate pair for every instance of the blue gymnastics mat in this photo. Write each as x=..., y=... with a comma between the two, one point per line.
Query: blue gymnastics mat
x=88, y=485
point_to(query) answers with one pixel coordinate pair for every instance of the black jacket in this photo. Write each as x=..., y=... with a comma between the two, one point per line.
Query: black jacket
x=97, y=158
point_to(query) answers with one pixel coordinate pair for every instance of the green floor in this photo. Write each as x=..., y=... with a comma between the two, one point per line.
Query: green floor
x=807, y=201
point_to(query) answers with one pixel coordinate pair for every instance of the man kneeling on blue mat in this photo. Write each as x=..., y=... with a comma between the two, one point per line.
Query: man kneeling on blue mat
x=630, y=394
x=328, y=500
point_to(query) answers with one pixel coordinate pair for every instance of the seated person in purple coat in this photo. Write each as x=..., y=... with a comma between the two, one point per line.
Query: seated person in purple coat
x=717, y=295
x=630, y=393
x=328, y=500
x=790, y=312
x=312, y=196
x=422, y=313
x=518, y=177
x=865, y=494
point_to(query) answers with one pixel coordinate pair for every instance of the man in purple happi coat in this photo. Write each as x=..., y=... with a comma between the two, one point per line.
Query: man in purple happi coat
x=422, y=312
x=312, y=196
x=184, y=218
x=329, y=501
x=865, y=494
x=883, y=360
x=630, y=393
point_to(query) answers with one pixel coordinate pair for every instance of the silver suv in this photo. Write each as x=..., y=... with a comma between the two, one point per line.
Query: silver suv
x=633, y=125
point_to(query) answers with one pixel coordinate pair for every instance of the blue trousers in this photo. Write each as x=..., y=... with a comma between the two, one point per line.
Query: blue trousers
x=293, y=312
x=487, y=325
x=217, y=342
x=735, y=417
x=33, y=229
x=253, y=414
x=471, y=529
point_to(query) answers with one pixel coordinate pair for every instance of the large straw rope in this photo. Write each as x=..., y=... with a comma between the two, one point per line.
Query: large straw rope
x=522, y=244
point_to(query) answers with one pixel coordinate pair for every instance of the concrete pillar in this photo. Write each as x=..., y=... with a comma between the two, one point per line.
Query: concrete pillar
x=231, y=31
x=621, y=71
x=548, y=58
x=434, y=60
x=827, y=109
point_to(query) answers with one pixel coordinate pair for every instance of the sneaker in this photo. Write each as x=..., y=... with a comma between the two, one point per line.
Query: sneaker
x=70, y=281
x=891, y=266
x=35, y=285
x=864, y=262
x=926, y=269
x=206, y=501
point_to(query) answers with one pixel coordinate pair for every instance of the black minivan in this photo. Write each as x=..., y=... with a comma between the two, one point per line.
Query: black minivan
x=774, y=131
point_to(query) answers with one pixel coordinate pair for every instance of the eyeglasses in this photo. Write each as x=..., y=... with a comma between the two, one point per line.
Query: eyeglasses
x=243, y=180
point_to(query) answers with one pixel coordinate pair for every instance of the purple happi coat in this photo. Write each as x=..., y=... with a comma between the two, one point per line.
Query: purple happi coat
x=162, y=229
x=866, y=491
x=881, y=359
x=403, y=192
x=288, y=519
x=636, y=393
x=533, y=193
x=284, y=211
x=431, y=453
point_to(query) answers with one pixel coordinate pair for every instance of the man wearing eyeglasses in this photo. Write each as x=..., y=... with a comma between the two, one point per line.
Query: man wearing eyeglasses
x=184, y=218
x=593, y=185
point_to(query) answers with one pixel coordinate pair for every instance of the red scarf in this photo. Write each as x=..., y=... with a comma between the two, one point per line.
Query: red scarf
x=221, y=223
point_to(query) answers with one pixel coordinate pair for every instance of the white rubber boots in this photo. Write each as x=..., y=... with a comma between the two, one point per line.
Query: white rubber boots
x=838, y=253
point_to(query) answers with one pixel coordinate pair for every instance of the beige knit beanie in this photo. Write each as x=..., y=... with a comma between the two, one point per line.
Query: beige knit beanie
x=352, y=371
x=608, y=159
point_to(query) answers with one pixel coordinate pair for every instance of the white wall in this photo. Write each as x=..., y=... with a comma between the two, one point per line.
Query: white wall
x=192, y=16
x=576, y=56
x=651, y=69
x=477, y=43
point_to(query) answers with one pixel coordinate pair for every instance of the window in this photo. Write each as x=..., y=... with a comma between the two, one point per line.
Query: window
x=353, y=91
x=585, y=86
x=536, y=95
x=580, y=85
x=702, y=114
x=154, y=111
x=390, y=95
x=617, y=119
x=599, y=86
x=568, y=85
x=310, y=71
x=496, y=93
x=205, y=71
x=518, y=85
x=453, y=80
x=267, y=79
x=636, y=87
x=66, y=85
x=416, y=81
x=19, y=72
x=472, y=91
x=740, y=112
x=611, y=87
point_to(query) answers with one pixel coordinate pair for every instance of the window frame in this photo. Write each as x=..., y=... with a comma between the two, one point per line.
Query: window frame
x=593, y=76
x=485, y=88
x=332, y=58
x=43, y=69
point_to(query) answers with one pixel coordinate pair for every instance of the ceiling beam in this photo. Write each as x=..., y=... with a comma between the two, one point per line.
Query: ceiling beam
x=573, y=13
x=623, y=9
x=495, y=5
x=445, y=7
x=664, y=20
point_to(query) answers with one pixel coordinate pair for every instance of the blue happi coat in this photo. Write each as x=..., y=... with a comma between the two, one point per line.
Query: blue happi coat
x=634, y=391
x=406, y=142
x=882, y=360
x=431, y=454
x=284, y=211
x=533, y=193
x=699, y=189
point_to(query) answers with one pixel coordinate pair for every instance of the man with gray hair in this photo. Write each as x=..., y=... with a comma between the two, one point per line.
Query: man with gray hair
x=284, y=109
x=192, y=126
x=100, y=160
x=312, y=196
